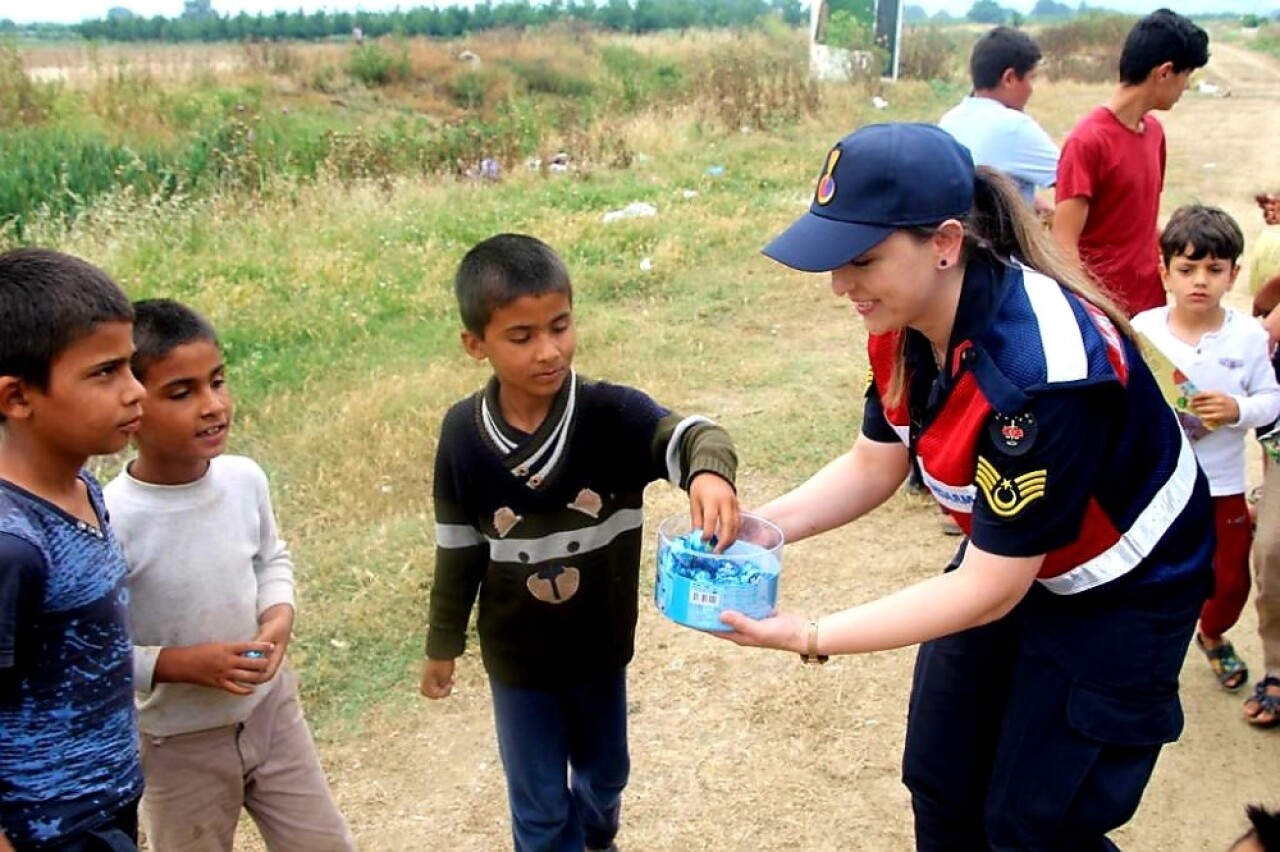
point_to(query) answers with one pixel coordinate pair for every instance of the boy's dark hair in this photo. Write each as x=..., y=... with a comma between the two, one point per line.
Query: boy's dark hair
x=1001, y=48
x=49, y=300
x=1207, y=230
x=162, y=325
x=1163, y=36
x=500, y=270
x=1265, y=828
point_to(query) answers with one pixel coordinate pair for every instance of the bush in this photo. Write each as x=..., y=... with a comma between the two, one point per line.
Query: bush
x=541, y=75
x=373, y=66
x=644, y=82
x=933, y=53
x=758, y=90
x=1086, y=48
x=22, y=100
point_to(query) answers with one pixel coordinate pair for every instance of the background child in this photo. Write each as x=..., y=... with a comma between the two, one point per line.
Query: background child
x=991, y=121
x=69, y=775
x=1111, y=171
x=1225, y=354
x=211, y=599
x=1262, y=708
x=539, y=497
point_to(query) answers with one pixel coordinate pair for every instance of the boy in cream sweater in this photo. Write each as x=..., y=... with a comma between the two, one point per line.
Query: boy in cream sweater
x=211, y=602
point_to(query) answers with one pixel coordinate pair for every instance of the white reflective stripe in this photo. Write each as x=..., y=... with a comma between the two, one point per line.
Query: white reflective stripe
x=957, y=498
x=452, y=536
x=557, y=545
x=559, y=436
x=1060, y=336
x=674, y=472
x=491, y=427
x=1137, y=543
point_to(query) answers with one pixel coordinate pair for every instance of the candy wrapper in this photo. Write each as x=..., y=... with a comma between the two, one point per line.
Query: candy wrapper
x=694, y=584
x=1176, y=388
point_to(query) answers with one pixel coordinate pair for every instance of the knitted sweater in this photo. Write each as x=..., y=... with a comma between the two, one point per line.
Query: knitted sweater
x=547, y=528
x=205, y=560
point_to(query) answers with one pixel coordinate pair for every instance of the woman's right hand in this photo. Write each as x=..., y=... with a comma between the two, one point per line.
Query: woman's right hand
x=784, y=631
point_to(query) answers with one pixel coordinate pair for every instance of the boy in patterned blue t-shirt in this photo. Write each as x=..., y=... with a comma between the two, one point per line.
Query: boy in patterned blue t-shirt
x=69, y=773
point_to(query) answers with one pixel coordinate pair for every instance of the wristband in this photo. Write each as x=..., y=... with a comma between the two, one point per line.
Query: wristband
x=811, y=657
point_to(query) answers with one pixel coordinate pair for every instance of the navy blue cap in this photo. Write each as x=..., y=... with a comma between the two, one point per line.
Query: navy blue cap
x=874, y=181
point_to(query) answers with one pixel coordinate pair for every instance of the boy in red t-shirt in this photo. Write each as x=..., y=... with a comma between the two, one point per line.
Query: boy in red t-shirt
x=1111, y=170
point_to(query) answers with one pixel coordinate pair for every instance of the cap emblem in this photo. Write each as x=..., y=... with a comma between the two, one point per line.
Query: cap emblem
x=827, y=183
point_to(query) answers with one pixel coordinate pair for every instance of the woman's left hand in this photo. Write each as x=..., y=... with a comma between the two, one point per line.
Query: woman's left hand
x=784, y=631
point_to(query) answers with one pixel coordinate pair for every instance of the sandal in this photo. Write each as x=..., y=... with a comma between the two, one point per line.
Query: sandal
x=1230, y=669
x=1262, y=709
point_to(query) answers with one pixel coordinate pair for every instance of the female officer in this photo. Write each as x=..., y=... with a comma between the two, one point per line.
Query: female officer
x=1047, y=680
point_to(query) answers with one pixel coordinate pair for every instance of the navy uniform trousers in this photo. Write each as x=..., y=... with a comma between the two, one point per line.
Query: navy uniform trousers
x=1041, y=730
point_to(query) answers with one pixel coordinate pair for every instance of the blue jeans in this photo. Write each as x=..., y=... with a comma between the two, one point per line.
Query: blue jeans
x=564, y=752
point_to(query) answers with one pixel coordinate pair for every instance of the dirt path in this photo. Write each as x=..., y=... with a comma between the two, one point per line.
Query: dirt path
x=735, y=750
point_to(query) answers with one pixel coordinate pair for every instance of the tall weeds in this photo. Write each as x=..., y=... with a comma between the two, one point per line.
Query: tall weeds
x=375, y=112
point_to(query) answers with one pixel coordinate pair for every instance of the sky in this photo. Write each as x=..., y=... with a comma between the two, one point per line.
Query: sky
x=74, y=11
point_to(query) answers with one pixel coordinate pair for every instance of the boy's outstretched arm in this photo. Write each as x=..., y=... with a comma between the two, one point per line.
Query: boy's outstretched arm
x=713, y=507
x=437, y=678
x=698, y=455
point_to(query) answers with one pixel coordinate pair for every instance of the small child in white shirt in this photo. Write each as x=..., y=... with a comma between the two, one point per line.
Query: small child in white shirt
x=1226, y=355
x=211, y=603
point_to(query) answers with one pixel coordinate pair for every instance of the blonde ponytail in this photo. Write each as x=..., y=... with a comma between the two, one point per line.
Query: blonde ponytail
x=1002, y=226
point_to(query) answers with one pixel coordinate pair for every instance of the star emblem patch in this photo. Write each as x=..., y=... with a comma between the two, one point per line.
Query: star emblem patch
x=1013, y=434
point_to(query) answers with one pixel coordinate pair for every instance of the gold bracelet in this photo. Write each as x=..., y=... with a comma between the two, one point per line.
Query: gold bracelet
x=811, y=657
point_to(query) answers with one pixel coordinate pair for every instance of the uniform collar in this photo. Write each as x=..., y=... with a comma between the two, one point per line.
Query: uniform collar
x=983, y=287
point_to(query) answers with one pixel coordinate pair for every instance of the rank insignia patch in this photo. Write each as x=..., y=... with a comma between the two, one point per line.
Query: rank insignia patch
x=1013, y=434
x=1007, y=497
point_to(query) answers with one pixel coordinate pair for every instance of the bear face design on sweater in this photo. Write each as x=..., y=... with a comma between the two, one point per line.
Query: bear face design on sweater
x=553, y=584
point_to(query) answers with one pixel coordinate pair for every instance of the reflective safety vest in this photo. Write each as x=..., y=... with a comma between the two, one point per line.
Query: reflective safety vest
x=1043, y=338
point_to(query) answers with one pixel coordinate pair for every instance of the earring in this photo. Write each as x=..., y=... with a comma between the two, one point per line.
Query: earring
x=942, y=264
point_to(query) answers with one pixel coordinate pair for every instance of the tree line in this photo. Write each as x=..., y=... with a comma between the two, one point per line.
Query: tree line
x=200, y=22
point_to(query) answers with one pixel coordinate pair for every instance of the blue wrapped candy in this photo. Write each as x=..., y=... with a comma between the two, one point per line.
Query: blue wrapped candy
x=694, y=584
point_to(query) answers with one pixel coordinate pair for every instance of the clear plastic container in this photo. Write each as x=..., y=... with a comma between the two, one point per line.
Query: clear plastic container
x=694, y=585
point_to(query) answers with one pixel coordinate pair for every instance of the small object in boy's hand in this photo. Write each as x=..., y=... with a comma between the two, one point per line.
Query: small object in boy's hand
x=693, y=541
x=253, y=655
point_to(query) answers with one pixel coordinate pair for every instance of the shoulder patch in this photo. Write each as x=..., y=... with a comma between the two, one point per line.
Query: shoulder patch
x=1007, y=497
x=1013, y=434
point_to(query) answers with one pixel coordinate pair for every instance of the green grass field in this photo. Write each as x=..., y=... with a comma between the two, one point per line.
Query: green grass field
x=332, y=291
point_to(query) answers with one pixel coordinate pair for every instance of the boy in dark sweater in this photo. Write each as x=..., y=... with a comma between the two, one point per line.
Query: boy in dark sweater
x=538, y=492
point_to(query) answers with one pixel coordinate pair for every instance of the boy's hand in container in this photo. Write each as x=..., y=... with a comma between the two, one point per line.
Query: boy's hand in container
x=217, y=665
x=437, y=678
x=713, y=508
x=275, y=626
